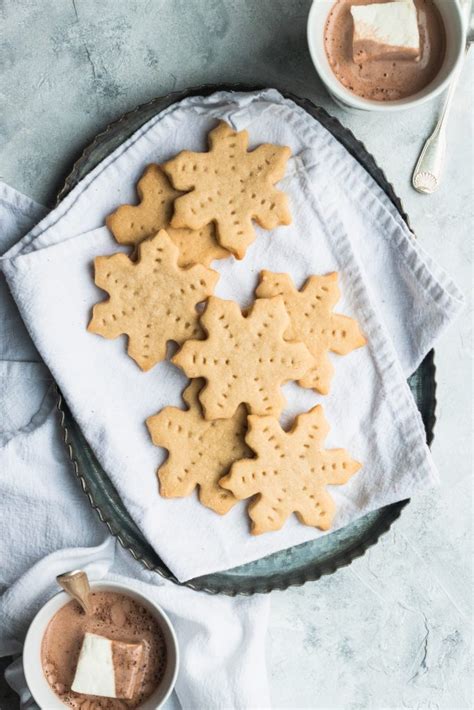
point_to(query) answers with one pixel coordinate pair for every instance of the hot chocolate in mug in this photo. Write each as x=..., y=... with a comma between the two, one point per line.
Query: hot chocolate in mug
x=451, y=16
x=144, y=616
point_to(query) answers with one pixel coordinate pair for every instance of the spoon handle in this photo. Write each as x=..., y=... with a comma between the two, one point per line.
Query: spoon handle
x=427, y=174
x=76, y=583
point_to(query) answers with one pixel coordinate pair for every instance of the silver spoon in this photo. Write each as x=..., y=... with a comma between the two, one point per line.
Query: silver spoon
x=427, y=174
x=76, y=583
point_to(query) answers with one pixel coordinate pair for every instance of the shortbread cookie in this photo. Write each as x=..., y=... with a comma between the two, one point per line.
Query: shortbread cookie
x=290, y=472
x=131, y=224
x=197, y=246
x=230, y=186
x=313, y=322
x=200, y=452
x=245, y=358
x=152, y=300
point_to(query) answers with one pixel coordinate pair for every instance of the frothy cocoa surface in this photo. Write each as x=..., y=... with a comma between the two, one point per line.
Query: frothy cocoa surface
x=384, y=79
x=115, y=616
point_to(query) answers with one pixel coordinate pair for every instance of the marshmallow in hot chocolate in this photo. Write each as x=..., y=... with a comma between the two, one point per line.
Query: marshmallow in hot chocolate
x=386, y=30
x=108, y=668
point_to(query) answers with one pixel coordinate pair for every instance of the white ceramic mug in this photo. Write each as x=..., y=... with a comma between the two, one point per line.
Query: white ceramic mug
x=452, y=17
x=35, y=678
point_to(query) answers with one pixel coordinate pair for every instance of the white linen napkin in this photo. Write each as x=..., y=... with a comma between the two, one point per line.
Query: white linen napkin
x=341, y=222
x=48, y=527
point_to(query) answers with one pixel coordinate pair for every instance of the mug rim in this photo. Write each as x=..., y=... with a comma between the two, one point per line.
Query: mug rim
x=34, y=637
x=348, y=99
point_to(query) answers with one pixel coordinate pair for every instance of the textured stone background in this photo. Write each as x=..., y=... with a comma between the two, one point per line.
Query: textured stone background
x=393, y=630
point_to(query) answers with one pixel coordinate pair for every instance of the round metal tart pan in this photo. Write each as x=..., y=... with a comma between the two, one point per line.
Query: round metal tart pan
x=298, y=564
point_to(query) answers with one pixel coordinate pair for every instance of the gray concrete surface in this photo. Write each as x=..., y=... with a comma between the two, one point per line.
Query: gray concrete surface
x=393, y=630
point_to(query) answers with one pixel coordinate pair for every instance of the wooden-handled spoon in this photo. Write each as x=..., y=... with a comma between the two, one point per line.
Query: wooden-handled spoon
x=76, y=583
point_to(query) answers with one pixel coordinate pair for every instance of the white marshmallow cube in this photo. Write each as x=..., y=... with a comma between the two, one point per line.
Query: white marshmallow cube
x=95, y=673
x=385, y=30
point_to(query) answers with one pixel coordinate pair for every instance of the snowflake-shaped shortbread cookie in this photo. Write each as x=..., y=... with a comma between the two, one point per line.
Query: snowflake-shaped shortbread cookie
x=245, y=358
x=230, y=187
x=131, y=224
x=152, y=300
x=314, y=323
x=200, y=452
x=290, y=472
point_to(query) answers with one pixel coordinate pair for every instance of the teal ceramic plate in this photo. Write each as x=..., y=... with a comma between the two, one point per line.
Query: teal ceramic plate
x=298, y=564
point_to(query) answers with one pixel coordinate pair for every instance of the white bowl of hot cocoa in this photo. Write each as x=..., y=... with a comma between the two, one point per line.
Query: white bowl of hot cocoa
x=122, y=653
x=385, y=55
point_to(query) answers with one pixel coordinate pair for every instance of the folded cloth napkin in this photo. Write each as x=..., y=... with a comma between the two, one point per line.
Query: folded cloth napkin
x=48, y=527
x=341, y=222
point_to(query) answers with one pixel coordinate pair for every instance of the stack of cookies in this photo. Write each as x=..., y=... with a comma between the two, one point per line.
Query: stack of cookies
x=196, y=208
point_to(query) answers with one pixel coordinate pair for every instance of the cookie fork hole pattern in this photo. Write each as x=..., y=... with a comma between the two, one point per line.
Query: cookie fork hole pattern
x=142, y=308
x=314, y=322
x=231, y=174
x=295, y=486
x=195, y=441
